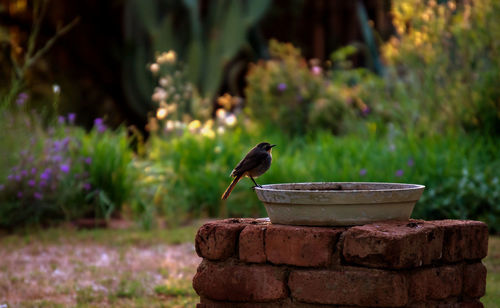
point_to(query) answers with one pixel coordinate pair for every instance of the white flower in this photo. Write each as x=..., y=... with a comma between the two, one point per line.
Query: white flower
x=56, y=88
x=231, y=120
x=159, y=95
x=154, y=68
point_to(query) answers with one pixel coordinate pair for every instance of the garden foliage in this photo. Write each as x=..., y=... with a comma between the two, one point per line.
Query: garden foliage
x=61, y=172
x=441, y=75
x=430, y=117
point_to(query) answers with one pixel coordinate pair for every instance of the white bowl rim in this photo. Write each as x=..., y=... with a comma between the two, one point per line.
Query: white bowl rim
x=404, y=187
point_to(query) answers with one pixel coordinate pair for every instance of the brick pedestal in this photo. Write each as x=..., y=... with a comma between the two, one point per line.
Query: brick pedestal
x=252, y=263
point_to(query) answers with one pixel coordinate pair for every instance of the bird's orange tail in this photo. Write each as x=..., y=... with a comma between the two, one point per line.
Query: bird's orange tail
x=230, y=187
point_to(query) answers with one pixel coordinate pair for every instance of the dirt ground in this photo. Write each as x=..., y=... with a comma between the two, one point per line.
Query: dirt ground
x=122, y=268
x=95, y=273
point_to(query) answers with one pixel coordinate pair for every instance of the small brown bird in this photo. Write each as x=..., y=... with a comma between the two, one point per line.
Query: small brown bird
x=254, y=164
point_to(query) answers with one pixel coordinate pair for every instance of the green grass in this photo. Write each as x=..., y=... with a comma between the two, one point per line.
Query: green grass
x=492, y=263
x=106, y=237
x=176, y=288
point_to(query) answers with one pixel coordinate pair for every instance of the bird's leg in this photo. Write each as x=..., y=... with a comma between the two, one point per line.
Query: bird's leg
x=256, y=185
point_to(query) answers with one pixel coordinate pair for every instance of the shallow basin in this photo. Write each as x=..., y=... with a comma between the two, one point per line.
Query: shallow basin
x=338, y=203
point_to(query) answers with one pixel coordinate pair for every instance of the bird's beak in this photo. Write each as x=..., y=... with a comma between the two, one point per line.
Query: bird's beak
x=273, y=145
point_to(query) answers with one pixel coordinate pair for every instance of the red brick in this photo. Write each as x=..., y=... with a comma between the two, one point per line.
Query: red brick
x=300, y=246
x=226, y=281
x=474, y=280
x=448, y=303
x=463, y=239
x=470, y=304
x=206, y=303
x=286, y=303
x=393, y=244
x=351, y=286
x=436, y=283
x=251, y=244
x=217, y=240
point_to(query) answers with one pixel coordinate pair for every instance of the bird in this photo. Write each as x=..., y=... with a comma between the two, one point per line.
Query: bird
x=254, y=164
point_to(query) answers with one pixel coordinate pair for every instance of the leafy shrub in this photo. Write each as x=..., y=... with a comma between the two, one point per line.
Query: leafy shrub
x=187, y=175
x=287, y=93
x=442, y=71
x=444, y=64
x=184, y=177
x=61, y=172
x=110, y=170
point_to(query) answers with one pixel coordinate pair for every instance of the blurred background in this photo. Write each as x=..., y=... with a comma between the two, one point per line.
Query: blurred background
x=139, y=110
x=114, y=42
x=126, y=117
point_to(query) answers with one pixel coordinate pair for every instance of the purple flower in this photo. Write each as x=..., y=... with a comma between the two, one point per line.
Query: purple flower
x=24, y=172
x=282, y=87
x=10, y=177
x=88, y=160
x=2, y=186
x=366, y=110
x=61, y=120
x=87, y=186
x=316, y=70
x=99, y=124
x=19, y=194
x=410, y=162
x=45, y=175
x=399, y=173
x=18, y=177
x=31, y=183
x=362, y=172
x=65, y=141
x=57, y=146
x=33, y=170
x=21, y=98
x=71, y=118
x=37, y=195
x=56, y=158
x=65, y=168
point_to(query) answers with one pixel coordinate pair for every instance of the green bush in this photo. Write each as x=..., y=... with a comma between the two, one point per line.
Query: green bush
x=444, y=64
x=187, y=175
x=110, y=170
x=441, y=75
x=287, y=93
x=61, y=172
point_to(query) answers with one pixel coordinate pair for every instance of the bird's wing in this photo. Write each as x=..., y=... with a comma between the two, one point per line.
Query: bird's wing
x=251, y=160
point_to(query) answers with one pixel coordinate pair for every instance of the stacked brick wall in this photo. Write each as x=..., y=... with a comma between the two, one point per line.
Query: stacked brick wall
x=252, y=263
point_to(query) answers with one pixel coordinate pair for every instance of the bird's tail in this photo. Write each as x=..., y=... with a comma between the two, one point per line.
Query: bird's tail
x=230, y=187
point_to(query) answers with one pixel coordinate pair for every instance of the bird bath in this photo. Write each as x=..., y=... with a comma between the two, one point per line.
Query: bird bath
x=338, y=203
